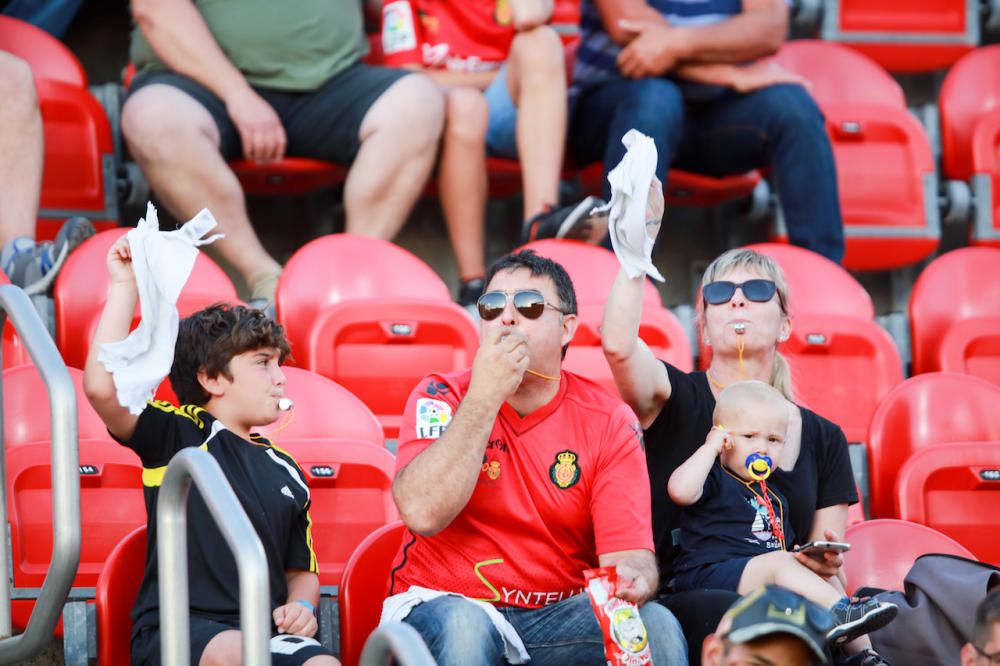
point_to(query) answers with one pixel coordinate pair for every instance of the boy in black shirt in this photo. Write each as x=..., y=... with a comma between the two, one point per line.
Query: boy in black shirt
x=734, y=528
x=226, y=374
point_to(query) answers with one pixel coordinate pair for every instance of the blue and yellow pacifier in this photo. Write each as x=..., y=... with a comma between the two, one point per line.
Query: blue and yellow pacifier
x=759, y=466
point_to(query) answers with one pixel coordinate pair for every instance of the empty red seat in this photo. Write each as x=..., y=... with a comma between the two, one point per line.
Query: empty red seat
x=111, y=506
x=882, y=552
x=955, y=488
x=928, y=409
x=26, y=416
x=363, y=588
x=374, y=318
x=885, y=169
x=972, y=347
x=905, y=36
x=289, y=176
x=81, y=290
x=117, y=588
x=350, y=486
x=49, y=58
x=960, y=285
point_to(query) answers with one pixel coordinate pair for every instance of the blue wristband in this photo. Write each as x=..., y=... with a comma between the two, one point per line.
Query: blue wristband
x=312, y=609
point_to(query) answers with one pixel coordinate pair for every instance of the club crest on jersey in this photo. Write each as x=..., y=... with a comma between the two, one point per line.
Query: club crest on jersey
x=492, y=469
x=433, y=417
x=564, y=471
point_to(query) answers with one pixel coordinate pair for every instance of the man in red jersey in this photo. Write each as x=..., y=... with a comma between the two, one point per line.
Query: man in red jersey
x=513, y=477
x=504, y=75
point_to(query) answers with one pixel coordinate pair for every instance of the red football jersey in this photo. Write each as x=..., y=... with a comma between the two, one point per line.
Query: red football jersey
x=557, y=488
x=462, y=35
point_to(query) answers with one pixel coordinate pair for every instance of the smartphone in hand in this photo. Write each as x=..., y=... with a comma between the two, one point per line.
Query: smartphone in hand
x=817, y=548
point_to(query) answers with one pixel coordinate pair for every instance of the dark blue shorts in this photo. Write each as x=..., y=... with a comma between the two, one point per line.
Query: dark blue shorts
x=723, y=575
x=323, y=124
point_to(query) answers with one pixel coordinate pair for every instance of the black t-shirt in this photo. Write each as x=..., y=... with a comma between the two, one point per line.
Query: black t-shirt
x=731, y=520
x=270, y=487
x=822, y=475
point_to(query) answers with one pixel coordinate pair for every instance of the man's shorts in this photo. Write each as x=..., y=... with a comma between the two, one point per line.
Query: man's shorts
x=323, y=124
x=501, y=134
x=285, y=650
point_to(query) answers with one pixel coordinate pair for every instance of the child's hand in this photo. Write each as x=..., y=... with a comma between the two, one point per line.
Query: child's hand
x=120, y=262
x=719, y=439
x=295, y=619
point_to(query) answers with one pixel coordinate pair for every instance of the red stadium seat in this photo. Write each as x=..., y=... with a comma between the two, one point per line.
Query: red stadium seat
x=960, y=285
x=78, y=176
x=13, y=350
x=49, y=58
x=972, y=347
x=905, y=36
x=117, y=588
x=928, y=409
x=955, y=488
x=363, y=588
x=289, y=176
x=82, y=284
x=350, y=485
x=323, y=409
x=111, y=506
x=26, y=408
x=659, y=329
x=882, y=552
x=591, y=268
x=885, y=170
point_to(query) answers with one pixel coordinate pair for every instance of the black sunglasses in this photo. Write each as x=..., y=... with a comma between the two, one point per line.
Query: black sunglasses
x=721, y=291
x=993, y=658
x=528, y=302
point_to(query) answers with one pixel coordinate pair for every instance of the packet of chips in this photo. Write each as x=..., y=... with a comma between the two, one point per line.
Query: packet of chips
x=626, y=642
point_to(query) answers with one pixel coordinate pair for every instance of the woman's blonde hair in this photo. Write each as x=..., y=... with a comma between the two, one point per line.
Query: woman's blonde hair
x=767, y=268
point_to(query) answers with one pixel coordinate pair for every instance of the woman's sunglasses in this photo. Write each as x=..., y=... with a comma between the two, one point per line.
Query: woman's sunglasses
x=528, y=302
x=721, y=291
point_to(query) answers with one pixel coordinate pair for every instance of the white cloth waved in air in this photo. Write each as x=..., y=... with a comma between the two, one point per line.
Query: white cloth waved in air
x=162, y=262
x=630, y=182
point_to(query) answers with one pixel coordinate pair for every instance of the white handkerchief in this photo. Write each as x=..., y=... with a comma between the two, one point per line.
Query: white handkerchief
x=162, y=263
x=627, y=217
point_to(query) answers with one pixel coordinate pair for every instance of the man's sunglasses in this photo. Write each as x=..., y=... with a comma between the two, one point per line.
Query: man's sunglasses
x=721, y=291
x=992, y=658
x=528, y=302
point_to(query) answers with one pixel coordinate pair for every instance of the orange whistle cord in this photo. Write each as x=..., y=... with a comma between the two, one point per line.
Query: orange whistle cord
x=286, y=419
x=740, y=346
x=538, y=374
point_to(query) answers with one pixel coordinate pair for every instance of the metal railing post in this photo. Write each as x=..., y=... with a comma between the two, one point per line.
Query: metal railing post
x=193, y=465
x=65, y=485
x=401, y=641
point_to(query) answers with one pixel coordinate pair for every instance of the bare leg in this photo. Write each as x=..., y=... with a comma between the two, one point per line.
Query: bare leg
x=21, y=149
x=226, y=649
x=399, y=138
x=462, y=178
x=176, y=143
x=536, y=78
x=781, y=568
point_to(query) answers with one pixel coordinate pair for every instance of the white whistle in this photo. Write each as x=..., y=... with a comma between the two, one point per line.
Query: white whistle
x=740, y=327
x=284, y=404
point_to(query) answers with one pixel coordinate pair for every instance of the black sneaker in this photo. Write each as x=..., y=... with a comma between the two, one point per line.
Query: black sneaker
x=470, y=291
x=866, y=658
x=577, y=222
x=857, y=617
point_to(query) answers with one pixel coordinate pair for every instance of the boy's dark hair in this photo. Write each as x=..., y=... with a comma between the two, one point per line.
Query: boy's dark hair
x=987, y=615
x=538, y=265
x=209, y=339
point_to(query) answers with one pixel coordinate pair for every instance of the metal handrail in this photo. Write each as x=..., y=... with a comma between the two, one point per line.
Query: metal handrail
x=65, y=485
x=399, y=640
x=189, y=465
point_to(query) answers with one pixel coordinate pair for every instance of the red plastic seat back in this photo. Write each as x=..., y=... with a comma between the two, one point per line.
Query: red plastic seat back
x=380, y=349
x=922, y=411
x=363, y=588
x=961, y=284
x=287, y=176
x=49, y=58
x=955, y=488
x=82, y=285
x=14, y=352
x=841, y=368
x=26, y=408
x=882, y=552
x=905, y=36
x=591, y=268
x=972, y=347
x=970, y=92
x=840, y=75
x=350, y=484
x=323, y=409
x=117, y=588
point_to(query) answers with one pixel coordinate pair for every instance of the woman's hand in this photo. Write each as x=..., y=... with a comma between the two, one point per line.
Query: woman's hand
x=828, y=563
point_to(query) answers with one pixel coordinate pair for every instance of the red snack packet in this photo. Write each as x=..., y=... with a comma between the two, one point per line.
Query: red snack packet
x=626, y=642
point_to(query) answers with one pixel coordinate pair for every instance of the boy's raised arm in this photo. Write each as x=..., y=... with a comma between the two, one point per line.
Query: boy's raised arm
x=116, y=319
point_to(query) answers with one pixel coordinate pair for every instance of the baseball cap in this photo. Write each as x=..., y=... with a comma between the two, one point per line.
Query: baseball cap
x=777, y=610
